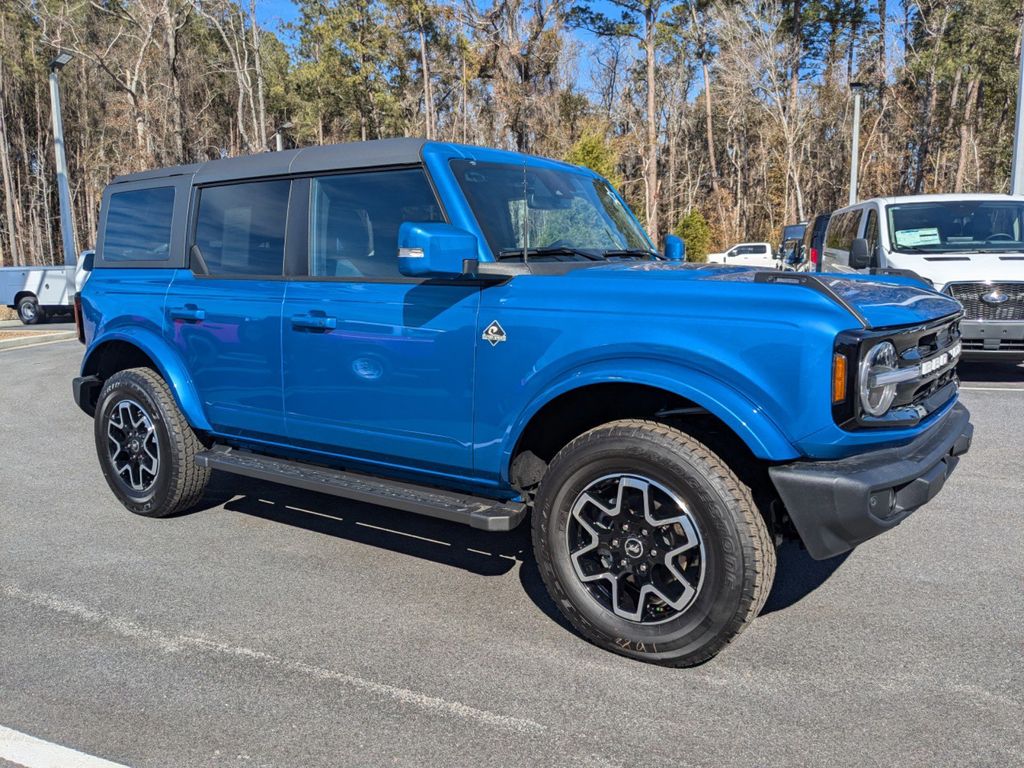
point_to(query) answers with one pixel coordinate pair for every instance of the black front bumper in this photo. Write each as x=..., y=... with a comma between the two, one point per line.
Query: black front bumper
x=86, y=389
x=836, y=505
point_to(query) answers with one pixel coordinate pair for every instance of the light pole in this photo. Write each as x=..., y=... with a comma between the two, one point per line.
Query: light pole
x=857, y=89
x=1017, y=176
x=67, y=229
x=279, y=135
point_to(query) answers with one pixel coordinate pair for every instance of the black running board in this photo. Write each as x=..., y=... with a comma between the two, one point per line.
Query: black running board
x=475, y=511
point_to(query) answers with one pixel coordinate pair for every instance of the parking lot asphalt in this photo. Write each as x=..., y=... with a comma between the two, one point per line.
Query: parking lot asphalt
x=281, y=628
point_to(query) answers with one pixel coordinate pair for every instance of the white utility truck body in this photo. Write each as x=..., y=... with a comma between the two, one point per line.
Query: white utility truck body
x=38, y=291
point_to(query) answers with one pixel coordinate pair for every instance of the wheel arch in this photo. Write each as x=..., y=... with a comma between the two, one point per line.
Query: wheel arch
x=584, y=400
x=118, y=351
x=24, y=295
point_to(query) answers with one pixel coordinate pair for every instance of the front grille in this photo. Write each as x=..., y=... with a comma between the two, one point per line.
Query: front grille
x=921, y=345
x=1004, y=345
x=922, y=394
x=981, y=301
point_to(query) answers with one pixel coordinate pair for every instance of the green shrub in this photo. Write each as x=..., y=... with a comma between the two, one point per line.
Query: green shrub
x=695, y=231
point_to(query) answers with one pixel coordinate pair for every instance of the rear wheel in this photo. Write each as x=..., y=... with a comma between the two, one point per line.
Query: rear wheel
x=650, y=545
x=29, y=311
x=145, y=446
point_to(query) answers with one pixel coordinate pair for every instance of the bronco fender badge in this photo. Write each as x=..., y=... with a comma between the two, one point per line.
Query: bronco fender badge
x=494, y=333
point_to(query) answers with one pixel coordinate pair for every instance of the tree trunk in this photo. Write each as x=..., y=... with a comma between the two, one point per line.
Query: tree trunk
x=651, y=171
x=11, y=246
x=967, y=131
x=257, y=59
x=428, y=97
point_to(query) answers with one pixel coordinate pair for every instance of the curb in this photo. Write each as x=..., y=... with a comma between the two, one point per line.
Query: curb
x=37, y=338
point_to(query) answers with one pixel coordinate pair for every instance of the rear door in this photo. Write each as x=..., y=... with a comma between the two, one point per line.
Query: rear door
x=377, y=366
x=223, y=315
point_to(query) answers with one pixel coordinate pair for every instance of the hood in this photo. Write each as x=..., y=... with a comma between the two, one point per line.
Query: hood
x=876, y=301
x=943, y=269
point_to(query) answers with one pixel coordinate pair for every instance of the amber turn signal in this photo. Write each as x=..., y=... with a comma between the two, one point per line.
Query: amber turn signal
x=838, y=378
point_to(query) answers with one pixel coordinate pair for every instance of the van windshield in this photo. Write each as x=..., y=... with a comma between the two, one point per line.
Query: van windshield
x=981, y=226
x=549, y=212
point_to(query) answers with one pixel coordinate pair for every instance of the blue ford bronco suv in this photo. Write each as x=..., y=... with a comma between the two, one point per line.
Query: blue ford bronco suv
x=479, y=335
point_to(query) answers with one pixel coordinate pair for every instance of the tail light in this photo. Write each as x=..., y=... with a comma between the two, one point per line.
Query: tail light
x=814, y=255
x=79, y=325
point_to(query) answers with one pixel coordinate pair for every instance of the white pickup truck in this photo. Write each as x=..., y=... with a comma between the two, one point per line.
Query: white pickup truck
x=747, y=255
x=37, y=292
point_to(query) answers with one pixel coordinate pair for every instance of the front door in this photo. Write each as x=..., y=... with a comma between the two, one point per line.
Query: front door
x=224, y=315
x=377, y=367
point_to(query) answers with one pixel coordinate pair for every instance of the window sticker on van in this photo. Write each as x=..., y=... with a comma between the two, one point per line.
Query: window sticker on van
x=924, y=236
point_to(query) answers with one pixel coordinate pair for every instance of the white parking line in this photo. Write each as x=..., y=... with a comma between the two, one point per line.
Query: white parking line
x=30, y=752
x=992, y=389
x=177, y=643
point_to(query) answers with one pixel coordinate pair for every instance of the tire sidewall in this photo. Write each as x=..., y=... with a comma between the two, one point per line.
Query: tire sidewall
x=721, y=593
x=126, y=386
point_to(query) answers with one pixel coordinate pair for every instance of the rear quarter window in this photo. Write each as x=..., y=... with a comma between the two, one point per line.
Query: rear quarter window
x=138, y=226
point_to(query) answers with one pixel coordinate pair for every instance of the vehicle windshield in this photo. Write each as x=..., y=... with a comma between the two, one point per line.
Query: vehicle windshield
x=569, y=215
x=793, y=232
x=956, y=225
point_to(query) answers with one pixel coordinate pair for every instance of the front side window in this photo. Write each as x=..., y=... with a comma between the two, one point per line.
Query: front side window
x=240, y=228
x=522, y=207
x=840, y=236
x=956, y=225
x=354, y=220
x=139, y=225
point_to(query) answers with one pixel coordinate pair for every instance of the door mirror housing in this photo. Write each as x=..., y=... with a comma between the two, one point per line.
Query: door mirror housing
x=675, y=248
x=860, y=256
x=433, y=249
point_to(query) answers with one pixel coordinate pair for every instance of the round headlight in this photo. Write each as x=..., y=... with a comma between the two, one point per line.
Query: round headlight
x=876, y=400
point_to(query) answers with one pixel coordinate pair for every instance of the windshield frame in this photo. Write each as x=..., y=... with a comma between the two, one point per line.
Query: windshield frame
x=623, y=227
x=973, y=246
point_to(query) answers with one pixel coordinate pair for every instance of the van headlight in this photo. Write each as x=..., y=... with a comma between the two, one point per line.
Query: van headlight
x=876, y=394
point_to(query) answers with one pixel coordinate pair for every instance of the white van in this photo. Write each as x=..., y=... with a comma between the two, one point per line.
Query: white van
x=968, y=246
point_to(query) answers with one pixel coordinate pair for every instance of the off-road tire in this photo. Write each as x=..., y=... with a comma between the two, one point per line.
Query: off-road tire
x=179, y=482
x=29, y=311
x=739, y=565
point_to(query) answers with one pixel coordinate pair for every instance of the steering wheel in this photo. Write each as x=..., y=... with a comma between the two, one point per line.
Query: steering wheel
x=1000, y=236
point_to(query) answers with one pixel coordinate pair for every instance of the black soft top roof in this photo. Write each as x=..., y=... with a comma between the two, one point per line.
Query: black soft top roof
x=361, y=154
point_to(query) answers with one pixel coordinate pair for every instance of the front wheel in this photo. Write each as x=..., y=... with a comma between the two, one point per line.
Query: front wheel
x=29, y=311
x=650, y=545
x=145, y=446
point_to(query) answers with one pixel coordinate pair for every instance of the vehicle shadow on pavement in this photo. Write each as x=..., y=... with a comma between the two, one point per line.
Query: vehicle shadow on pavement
x=797, y=575
x=451, y=544
x=454, y=545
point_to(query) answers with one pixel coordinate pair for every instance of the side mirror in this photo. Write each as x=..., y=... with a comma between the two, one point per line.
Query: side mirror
x=675, y=248
x=435, y=250
x=860, y=256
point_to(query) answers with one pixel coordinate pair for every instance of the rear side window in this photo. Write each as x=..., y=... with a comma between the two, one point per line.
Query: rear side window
x=240, y=228
x=139, y=225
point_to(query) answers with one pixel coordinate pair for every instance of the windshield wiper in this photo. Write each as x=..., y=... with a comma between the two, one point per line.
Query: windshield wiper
x=637, y=252
x=550, y=250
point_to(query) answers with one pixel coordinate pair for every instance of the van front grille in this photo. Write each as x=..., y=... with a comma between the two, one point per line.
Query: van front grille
x=989, y=301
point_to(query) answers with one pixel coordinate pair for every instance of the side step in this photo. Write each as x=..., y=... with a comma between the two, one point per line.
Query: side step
x=475, y=511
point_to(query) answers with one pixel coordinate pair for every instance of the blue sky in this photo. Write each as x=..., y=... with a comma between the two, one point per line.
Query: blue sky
x=272, y=12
